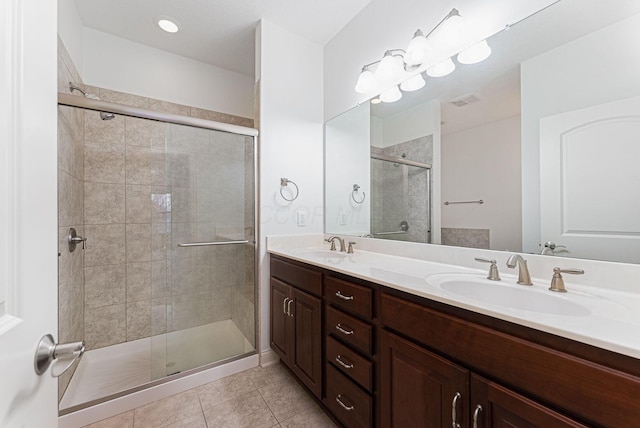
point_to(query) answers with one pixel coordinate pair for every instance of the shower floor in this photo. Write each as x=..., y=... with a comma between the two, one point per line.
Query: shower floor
x=113, y=369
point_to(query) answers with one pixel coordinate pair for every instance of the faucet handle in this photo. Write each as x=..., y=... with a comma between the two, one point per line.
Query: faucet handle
x=493, y=269
x=557, y=283
x=333, y=243
x=350, y=249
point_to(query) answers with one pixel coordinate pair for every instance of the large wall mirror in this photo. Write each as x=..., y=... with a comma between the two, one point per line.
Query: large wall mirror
x=539, y=143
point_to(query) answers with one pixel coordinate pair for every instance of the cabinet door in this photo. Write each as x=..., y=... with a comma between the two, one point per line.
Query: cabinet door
x=306, y=357
x=281, y=334
x=493, y=405
x=418, y=388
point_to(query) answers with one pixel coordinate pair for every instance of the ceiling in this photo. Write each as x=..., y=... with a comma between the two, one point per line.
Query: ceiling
x=217, y=32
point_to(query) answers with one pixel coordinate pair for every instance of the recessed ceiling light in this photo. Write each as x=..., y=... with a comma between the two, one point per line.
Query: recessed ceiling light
x=167, y=24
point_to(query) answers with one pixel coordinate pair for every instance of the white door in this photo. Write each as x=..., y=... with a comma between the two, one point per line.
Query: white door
x=590, y=181
x=28, y=209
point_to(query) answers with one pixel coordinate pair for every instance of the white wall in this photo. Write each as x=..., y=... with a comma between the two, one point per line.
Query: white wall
x=385, y=24
x=70, y=31
x=598, y=68
x=119, y=64
x=289, y=70
x=484, y=163
x=347, y=150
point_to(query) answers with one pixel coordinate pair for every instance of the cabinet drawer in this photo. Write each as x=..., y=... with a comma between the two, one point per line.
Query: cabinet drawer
x=350, y=363
x=298, y=276
x=349, y=329
x=352, y=297
x=347, y=402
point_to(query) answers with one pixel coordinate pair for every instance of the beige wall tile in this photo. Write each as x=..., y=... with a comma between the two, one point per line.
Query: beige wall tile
x=158, y=316
x=168, y=107
x=187, y=139
x=69, y=264
x=103, y=164
x=70, y=143
x=168, y=410
x=138, y=168
x=109, y=132
x=123, y=98
x=105, y=244
x=138, y=281
x=138, y=320
x=183, y=204
x=105, y=326
x=138, y=204
x=144, y=132
x=104, y=203
x=160, y=238
x=181, y=169
x=138, y=237
x=104, y=285
x=70, y=200
x=189, y=310
x=160, y=281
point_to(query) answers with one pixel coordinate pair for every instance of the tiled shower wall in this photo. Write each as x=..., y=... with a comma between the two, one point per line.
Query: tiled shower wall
x=135, y=188
x=400, y=192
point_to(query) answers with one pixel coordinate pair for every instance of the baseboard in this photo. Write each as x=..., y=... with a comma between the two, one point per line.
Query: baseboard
x=268, y=358
x=131, y=401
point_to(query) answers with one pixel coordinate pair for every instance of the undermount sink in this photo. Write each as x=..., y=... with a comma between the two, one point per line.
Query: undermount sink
x=513, y=296
x=322, y=254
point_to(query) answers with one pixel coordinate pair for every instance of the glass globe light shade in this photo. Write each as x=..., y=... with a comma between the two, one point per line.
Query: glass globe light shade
x=390, y=68
x=441, y=69
x=413, y=84
x=418, y=49
x=474, y=54
x=366, y=82
x=376, y=100
x=391, y=95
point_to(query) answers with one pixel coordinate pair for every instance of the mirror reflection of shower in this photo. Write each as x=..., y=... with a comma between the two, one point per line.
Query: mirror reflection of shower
x=103, y=114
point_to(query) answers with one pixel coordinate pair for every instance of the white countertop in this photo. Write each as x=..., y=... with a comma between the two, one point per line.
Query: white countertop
x=608, y=319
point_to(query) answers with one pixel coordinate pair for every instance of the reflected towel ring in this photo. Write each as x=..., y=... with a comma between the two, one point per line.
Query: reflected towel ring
x=283, y=183
x=353, y=194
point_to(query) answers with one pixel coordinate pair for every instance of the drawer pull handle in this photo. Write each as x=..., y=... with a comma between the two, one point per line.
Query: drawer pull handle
x=476, y=415
x=341, y=403
x=284, y=305
x=343, y=296
x=340, y=361
x=343, y=331
x=454, y=405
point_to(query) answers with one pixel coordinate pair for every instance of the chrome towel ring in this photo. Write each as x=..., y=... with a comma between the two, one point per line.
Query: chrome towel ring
x=353, y=194
x=283, y=183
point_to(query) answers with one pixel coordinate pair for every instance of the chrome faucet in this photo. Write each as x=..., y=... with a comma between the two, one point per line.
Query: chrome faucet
x=332, y=240
x=523, y=271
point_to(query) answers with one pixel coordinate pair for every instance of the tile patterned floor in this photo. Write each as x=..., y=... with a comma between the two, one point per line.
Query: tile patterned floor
x=260, y=397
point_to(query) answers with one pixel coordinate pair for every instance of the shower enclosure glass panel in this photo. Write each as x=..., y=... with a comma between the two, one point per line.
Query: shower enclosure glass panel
x=147, y=301
x=400, y=201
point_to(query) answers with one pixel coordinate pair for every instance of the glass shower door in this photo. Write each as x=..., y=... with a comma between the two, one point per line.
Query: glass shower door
x=209, y=310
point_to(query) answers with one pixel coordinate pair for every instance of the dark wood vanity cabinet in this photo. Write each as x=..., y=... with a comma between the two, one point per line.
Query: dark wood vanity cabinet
x=296, y=321
x=378, y=357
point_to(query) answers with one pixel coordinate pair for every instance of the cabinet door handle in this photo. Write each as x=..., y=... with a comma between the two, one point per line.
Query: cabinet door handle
x=340, y=361
x=344, y=406
x=348, y=332
x=343, y=296
x=476, y=415
x=454, y=405
x=284, y=305
x=289, y=308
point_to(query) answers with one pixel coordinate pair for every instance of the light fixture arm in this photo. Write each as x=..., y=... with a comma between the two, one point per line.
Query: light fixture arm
x=452, y=13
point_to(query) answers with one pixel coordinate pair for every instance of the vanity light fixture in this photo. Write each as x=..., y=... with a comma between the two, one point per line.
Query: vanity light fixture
x=397, y=64
x=376, y=100
x=167, y=24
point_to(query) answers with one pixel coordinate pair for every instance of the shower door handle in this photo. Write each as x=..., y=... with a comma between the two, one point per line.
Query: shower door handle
x=207, y=244
x=48, y=351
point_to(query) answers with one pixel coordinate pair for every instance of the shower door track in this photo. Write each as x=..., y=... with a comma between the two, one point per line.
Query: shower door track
x=105, y=106
x=400, y=161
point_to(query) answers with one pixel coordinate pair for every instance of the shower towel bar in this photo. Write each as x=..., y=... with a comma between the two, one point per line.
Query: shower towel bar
x=465, y=202
x=398, y=232
x=206, y=244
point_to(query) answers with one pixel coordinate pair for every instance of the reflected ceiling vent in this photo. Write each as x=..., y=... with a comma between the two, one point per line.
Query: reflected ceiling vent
x=465, y=99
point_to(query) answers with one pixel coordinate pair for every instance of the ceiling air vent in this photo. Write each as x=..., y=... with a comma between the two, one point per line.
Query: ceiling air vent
x=464, y=100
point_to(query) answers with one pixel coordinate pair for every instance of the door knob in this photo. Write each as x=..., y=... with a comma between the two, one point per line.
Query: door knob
x=48, y=351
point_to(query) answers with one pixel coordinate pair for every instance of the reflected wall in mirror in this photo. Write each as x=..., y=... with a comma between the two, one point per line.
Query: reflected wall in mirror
x=552, y=114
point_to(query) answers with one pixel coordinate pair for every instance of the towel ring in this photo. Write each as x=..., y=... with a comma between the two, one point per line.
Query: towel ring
x=283, y=183
x=353, y=194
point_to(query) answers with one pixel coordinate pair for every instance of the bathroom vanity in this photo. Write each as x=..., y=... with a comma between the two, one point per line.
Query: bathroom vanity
x=379, y=350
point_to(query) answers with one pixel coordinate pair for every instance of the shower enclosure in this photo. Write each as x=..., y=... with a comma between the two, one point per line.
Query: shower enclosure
x=401, y=193
x=165, y=283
